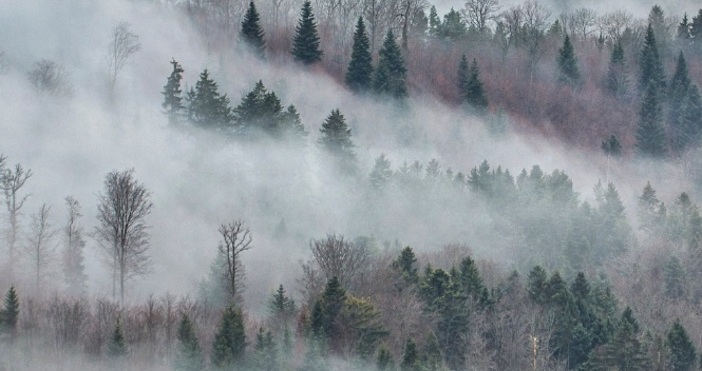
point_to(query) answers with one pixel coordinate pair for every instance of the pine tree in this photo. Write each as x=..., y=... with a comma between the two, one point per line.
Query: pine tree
x=189, y=356
x=265, y=351
x=406, y=264
x=410, y=357
x=230, y=339
x=117, y=348
x=390, y=76
x=252, y=32
x=677, y=93
x=617, y=76
x=336, y=140
x=381, y=175
x=696, y=27
x=689, y=121
x=463, y=76
x=453, y=27
x=650, y=135
x=612, y=147
x=682, y=355
x=580, y=288
x=173, y=95
x=384, y=360
x=568, y=72
x=208, y=108
x=652, y=74
x=330, y=304
x=473, y=93
x=292, y=127
x=360, y=72
x=674, y=278
x=282, y=306
x=431, y=357
x=306, y=41
x=683, y=31
x=10, y=315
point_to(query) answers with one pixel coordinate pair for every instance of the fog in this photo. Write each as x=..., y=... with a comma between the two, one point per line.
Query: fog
x=199, y=180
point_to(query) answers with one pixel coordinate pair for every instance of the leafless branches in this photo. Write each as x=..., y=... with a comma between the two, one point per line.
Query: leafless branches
x=122, y=228
x=11, y=181
x=50, y=77
x=123, y=44
x=41, y=250
x=236, y=238
x=479, y=12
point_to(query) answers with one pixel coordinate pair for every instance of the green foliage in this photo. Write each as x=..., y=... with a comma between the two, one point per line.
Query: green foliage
x=652, y=77
x=674, y=278
x=431, y=354
x=117, y=347
x=682, y=355
x=390, y=75
x=470, y=87
x=10, y=314
x=327, y=308
x=650, y=135
x=173, y=94
x=410, y=357
x=265, y=352
x=207, y=107
x=568, y=72
x=612, y=147
x=360, y=321
x=189, y=354
x=434, y=22
x=282, y=306
x=406, y=264
x=252, y=32
x=384, y=360
x=230, y=339
x=453, y=27
x=537, y=284
x=306, y=41
x=360, y=72
x=617, y=75
x=261, y=113
x=336, y=140
x=381, y=175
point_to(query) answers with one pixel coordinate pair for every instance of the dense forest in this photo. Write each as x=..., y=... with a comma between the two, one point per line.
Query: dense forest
x=342, y=185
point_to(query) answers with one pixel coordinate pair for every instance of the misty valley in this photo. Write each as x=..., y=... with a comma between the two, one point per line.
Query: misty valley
x=350, y=185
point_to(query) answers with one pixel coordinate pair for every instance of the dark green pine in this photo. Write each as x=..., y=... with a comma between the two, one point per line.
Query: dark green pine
x=360, y=71
x=690, y=120
x=117, y=347
x=463, y=76
x=189, y=356
x=252, y=32
x=617, y=79
x=410, y=357
x=10, y=314
x=682, y=354
x=612, y=147
x=390, y=76
x=230, y=339
x=336, y=139
x=173, y=94
x=650, y=63
x=474, y=95
x=208, y=108
x=680, y=100
x=568, y=72
x=306, y=41
x=650, y=135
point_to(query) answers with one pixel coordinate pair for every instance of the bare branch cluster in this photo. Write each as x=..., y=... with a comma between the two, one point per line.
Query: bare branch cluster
x=236, y=238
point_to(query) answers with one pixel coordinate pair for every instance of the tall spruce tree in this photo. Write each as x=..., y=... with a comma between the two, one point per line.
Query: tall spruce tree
x=568, y=72
x=117, y=347
x=10, y=315
x=684, y=109
x=683, y=30
x=336, y=140
x=252, y=32
x=173, y=94
x=390, y=76
x=650, y=135
x=652, y=73
x=306, y=41
x=690, y=120
x=230, y=339
x=617, y=77
x=473, y=93
x=189, y=353
x=682, y=353
x=207, y=107
x=360, y=72
x=410, y=357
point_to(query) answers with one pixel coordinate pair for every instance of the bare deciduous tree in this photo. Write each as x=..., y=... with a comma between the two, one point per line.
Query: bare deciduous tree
x=73, y=269
x=236, y=238
x=122, y=228
x=479, y=12
x=581, y=23
x=50, y=77
x=41, y=249
x=123, y=44
x=11, y=181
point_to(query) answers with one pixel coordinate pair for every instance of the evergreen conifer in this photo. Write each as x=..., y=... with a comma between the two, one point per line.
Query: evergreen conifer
x=306, y=41
x=172, y=94
x=360, y=72
x=252, y=32
x=650, y=135
x=390, y=75
x=336, y=140
x=568, y=64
